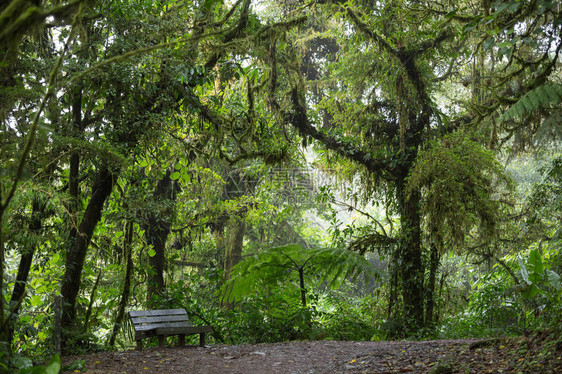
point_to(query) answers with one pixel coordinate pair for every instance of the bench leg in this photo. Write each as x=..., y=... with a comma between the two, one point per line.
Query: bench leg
x=139, y=345
x=181, y=340
x=161, y=341
x=202, y=339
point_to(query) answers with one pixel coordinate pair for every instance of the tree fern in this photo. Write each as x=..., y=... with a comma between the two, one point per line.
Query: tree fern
x=281, y=264
x=539, y=98
x=551, y=128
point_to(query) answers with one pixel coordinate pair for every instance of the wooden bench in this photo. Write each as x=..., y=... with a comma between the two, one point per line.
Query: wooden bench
x=165, y=322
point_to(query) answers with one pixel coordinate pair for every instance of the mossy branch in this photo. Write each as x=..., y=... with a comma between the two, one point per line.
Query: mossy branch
x=19, y=16
x=127, y=55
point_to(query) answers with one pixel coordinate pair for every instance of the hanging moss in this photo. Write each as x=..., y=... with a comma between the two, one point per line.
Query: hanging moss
x=458, y=178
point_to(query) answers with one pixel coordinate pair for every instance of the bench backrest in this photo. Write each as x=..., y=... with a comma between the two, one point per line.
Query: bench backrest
x=146, y=320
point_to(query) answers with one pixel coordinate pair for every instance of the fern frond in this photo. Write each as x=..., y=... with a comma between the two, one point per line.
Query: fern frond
x=280, y=264
x=551, y=129
x=540, y=98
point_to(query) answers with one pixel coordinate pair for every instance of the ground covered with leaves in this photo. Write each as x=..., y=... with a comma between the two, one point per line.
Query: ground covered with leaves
x=539, y=353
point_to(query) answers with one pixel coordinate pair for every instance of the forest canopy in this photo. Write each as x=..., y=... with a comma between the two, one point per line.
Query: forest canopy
x=317, y=169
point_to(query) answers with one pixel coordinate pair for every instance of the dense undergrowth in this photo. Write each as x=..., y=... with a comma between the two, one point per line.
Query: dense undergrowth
x=495, y=307
x=492, y=306
x=519, y=295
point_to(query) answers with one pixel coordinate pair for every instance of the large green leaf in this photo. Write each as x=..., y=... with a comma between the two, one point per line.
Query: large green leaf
x=535, y=263
x=52, y=367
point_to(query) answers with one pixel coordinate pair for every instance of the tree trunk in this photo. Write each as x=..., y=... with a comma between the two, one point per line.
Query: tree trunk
x=433, y=266
x=411, y=260
x=128, y=252
x=413, y=118
x=157, y=229
x=8, y=55
x=77, y=253
x=37, y=211
x=217, y=229
x=393, y=284
x=303, y=290
x=236, y=224
x=4, y=334
x=235, y=230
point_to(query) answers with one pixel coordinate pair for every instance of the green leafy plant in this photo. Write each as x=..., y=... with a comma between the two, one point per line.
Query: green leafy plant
x=457, y=176
x=77, y=366
x=278, y=264
x=23, y=365
x=342, y=317
x=541, y=286
x=539, y=98
x=52, y=367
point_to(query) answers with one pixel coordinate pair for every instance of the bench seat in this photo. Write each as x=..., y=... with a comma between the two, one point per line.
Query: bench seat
x=165, y=322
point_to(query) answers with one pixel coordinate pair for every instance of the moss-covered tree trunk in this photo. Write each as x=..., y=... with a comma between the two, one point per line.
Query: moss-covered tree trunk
x=235, y=229
x=217, y=230
x=413, y=119
x=76, y=255
x=430, y=288
x=157, y=228
x=123, y=300
x=26, y=259
x=411, y=265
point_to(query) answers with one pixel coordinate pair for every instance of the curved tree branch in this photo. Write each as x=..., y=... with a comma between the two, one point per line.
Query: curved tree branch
x=299, y=119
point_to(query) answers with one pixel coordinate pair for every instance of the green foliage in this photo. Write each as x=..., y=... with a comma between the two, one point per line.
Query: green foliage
x=493, y=307
x=273, y=317
x=280, y=264
x=498, y=305
x=532, y=274
x=459, y=179
x=542, y=289
x=23, y=365
x=342, y=317
x=275, y=314
x=199, y=90
x=77, y=366
x=542, y=97
x=52, y=367
x=545, y=199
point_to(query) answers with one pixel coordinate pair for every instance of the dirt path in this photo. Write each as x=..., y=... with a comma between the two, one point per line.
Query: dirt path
x=308, y=357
